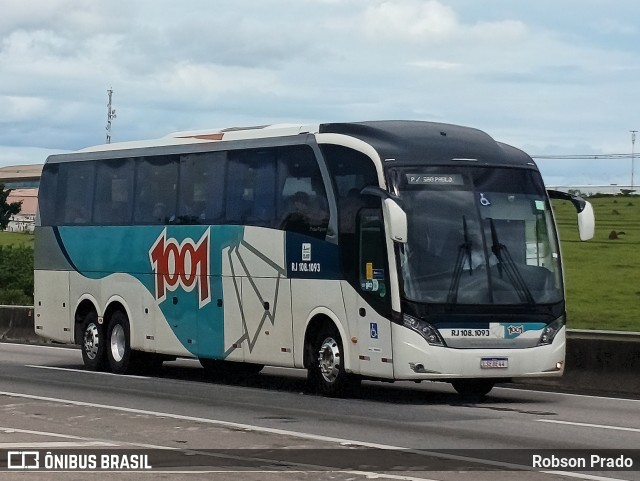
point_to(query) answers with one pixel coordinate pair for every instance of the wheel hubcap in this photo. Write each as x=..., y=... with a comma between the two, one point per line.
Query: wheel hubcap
x=91, y=341
x=117, y=343
x=329, y=360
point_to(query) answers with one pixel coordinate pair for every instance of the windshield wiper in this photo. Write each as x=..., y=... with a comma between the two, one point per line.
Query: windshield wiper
x=506, y=261
x=464, y=252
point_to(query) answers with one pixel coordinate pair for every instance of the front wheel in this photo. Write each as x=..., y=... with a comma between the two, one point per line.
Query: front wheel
x=94, y=345
x=326, y=373
x=474, y=389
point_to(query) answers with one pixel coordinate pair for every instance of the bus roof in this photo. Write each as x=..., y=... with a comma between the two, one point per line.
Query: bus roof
x=404, y=141
x=408, y=142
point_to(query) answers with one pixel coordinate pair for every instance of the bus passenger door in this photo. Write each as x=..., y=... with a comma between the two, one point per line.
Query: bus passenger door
x=372, y=304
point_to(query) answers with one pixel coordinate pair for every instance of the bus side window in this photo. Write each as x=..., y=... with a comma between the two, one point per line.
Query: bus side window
x=302, y=204
x=156, y=190
x=350, y=171
x=250, y=183
x=201, y=192
x=48, y=194
x=114, y=192
x=75, y=190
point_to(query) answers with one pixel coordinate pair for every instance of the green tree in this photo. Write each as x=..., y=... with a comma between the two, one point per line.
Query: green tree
x=6, y=209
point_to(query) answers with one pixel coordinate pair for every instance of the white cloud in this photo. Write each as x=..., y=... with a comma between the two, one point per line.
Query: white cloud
x=527, y=74
x=17, y=109
x=410, y=20
x=419, y=21
x=434, y=65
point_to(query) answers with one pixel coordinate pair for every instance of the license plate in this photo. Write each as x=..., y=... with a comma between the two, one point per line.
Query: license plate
x=494, y=363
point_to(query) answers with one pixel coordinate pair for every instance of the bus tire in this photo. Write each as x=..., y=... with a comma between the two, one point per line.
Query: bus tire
x=326, y=374
x=473, y=389
x=213, y=368
x=94, y=343
x=119, y=347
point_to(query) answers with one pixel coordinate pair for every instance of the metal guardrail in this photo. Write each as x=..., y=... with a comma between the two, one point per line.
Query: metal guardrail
x=603, y=335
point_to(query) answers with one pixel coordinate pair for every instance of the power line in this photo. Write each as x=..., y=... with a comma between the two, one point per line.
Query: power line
x=583, y=156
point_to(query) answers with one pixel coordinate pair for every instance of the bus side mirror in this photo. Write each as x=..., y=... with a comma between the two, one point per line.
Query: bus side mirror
x=586, y=222
x=394, y=215
x=586, y=218
x=396, y=219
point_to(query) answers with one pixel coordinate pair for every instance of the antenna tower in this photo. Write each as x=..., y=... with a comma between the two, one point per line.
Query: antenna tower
x=633, y=153
x=111, y=114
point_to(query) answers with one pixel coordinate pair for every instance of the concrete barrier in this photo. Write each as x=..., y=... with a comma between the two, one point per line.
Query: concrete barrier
x=597, y=362
x=16, y=324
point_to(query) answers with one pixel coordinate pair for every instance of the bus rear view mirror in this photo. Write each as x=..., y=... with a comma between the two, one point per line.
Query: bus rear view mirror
x=586, y=222
x=396, y=220
x=586, y=218
x=394, y=214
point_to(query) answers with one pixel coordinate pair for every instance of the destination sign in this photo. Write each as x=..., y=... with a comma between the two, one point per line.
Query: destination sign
x=439, y=179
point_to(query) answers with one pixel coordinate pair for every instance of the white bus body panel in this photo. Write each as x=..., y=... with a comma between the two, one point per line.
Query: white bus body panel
x=149, y=329
x=311, y=297
x=257, y=297
x=53, y=318
x=372, y=352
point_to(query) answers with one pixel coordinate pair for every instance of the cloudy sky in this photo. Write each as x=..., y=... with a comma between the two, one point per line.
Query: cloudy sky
x=553, y=77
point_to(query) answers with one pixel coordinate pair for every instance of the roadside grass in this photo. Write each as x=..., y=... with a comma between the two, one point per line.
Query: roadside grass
x=602, y=275
x=16, y=239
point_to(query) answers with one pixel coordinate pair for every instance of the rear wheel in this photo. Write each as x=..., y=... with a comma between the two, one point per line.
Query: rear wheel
x=94, y=353
x=119, y=350
x=326, y=373
x=473, y=388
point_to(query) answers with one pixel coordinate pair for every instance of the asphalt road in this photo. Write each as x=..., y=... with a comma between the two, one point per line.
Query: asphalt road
x=270, y=427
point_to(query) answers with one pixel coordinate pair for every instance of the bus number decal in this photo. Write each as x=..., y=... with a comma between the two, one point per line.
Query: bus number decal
x=183, y=265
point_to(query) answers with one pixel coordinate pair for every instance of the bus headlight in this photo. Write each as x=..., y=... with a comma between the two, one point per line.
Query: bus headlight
x=549, y=332
x=426, y=330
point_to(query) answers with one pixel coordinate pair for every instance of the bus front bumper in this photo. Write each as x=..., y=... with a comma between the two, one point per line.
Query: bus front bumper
x=415, y=359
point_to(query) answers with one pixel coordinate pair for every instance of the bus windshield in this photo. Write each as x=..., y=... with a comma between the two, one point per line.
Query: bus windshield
x=477, y=236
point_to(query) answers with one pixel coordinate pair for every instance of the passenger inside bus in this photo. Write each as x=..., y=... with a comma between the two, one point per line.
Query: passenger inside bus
x=305, y=215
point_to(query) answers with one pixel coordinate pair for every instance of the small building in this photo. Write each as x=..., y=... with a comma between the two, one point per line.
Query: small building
x=25, y=220
x=23, y=180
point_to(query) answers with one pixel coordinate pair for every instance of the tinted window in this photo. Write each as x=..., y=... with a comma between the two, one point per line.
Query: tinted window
x=202, y=189
x=114, y=192
x=350, y=171
x=47, y=194
x=250, y=187
x=302, y=203
x=75, y=193
x=156, y=190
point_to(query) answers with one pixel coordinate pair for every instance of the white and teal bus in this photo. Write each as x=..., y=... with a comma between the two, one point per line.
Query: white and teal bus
x=388, y=250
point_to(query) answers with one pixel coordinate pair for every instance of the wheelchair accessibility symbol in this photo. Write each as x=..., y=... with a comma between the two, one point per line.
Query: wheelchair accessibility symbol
x=373, y=330
x=484, y=201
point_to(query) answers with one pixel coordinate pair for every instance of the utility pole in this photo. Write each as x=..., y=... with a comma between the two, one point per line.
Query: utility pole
x=111, y=114
x=633, y=153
